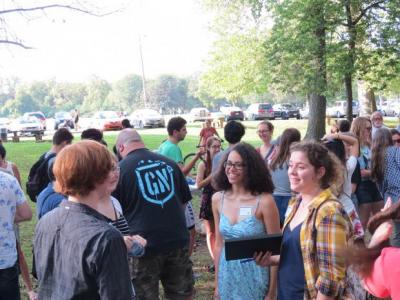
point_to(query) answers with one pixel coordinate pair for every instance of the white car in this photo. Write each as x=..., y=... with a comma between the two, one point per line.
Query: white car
x=199, y=114
x=339, y=109
x=304, y=112
x=388, y=109
x=5, y=123
x=27, y=126
x=146, y=118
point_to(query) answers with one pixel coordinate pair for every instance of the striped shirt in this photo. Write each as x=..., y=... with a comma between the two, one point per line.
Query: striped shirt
x=121, y=224
x=324, y=232
x=119, y=221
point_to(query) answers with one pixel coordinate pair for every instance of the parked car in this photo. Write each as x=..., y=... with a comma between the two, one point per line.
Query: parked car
x=39, y=115
x=28, y=125
x=107, y=120
x=5, y=123
x=304, y=112
x=61, y=118
x=199, y=114
x=280, y=112
x=388, y=109
x=232, y=113
x=146, y=118
x=339, y=109
x=258, y=111
x=291, y=110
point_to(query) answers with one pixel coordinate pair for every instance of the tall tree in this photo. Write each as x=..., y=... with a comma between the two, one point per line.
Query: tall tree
x=97, y=93
x=372, y=29
x=126, y=93
x=23, y=102
x=298, y=54
x=236, y=68
x=168, y=93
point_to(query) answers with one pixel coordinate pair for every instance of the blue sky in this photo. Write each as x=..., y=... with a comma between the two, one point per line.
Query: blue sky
x=72, y=47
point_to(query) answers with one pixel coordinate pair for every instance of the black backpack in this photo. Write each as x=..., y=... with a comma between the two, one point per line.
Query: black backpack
x=38, y=177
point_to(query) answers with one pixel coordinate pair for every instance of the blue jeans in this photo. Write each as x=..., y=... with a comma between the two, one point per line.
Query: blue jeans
x=9, y=285
x=282, y=203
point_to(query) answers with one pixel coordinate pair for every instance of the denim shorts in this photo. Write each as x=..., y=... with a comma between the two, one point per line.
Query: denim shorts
x=367, y=192
x=173, y=269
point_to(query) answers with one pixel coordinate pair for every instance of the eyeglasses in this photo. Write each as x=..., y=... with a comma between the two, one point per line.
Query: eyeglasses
x=396, y=141
x=115, y=168
x=368, y=128
x=238, y=166
x=377, y=119
x=263, y=131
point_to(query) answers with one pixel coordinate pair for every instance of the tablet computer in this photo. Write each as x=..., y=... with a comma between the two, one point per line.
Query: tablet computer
x=246, y=247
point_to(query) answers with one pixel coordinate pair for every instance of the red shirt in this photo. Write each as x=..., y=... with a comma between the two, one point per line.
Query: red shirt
x=384, y=280
x=205, y=133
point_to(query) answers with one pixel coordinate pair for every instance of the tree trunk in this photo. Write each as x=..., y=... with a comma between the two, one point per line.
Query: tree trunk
x=349, y=92
x=366, y=98
x=348, y=77
x=317, y=99
x=316, y=120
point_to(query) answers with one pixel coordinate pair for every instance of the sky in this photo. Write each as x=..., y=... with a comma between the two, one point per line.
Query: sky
x=70, y=46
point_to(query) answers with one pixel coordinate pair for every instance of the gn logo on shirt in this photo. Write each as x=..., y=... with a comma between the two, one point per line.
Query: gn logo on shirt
x=156, y=181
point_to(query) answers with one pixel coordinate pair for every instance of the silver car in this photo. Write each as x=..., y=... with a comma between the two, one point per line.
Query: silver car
x=258, y=111
x=146, y=118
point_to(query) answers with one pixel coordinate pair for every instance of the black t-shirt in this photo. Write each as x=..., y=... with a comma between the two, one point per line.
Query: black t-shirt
x=356, y=177
x=152, y=191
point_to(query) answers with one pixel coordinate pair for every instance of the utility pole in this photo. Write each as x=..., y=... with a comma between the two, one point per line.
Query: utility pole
x=143, y=77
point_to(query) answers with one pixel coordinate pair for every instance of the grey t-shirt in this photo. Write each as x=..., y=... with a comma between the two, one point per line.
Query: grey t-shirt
x=80, y=256
x=281, y=182
x=217, y=159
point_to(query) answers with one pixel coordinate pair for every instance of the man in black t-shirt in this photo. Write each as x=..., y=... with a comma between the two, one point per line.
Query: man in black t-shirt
x=153, y=194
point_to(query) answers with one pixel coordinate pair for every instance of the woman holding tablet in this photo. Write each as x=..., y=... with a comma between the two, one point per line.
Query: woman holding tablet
x=316, y=229
x=243, y=208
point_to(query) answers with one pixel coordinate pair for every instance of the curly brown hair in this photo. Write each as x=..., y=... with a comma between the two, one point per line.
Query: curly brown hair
x=319, y=156
x=257, y=178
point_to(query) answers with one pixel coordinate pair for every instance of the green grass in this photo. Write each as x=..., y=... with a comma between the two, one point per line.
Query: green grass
x=25, y=153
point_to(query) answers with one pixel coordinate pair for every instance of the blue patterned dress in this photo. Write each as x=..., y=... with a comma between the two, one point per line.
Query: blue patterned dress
x=241, y=279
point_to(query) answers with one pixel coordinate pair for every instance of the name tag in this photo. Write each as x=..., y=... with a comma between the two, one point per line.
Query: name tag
x=245, y=211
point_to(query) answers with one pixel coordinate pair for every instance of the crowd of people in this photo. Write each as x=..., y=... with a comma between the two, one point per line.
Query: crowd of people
x=120, y=225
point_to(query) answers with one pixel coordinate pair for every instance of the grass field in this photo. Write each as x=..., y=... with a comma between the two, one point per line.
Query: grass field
x=25, y=153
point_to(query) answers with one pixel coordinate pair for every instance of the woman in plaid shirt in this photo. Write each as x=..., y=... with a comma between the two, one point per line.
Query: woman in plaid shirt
x=316, y=229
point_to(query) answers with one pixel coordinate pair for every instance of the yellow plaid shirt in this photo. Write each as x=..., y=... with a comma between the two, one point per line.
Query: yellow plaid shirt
x=324, y=265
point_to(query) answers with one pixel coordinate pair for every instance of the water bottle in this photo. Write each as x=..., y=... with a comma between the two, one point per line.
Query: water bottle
x=136, y=250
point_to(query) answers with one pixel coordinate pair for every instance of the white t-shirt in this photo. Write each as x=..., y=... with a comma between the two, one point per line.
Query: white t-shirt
x=345, y=197
x=351, y=165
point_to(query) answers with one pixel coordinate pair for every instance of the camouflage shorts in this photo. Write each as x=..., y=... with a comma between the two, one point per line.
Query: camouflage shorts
x=173, y=269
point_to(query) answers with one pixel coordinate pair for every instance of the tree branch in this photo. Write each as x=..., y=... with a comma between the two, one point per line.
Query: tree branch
x=365, y=10
x=44, y=7
x=15, y=43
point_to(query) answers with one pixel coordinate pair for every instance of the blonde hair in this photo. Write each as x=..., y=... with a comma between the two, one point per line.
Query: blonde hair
x=357, y=127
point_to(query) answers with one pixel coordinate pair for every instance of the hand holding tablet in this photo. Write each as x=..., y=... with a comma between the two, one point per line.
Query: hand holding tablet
x=247, y=247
